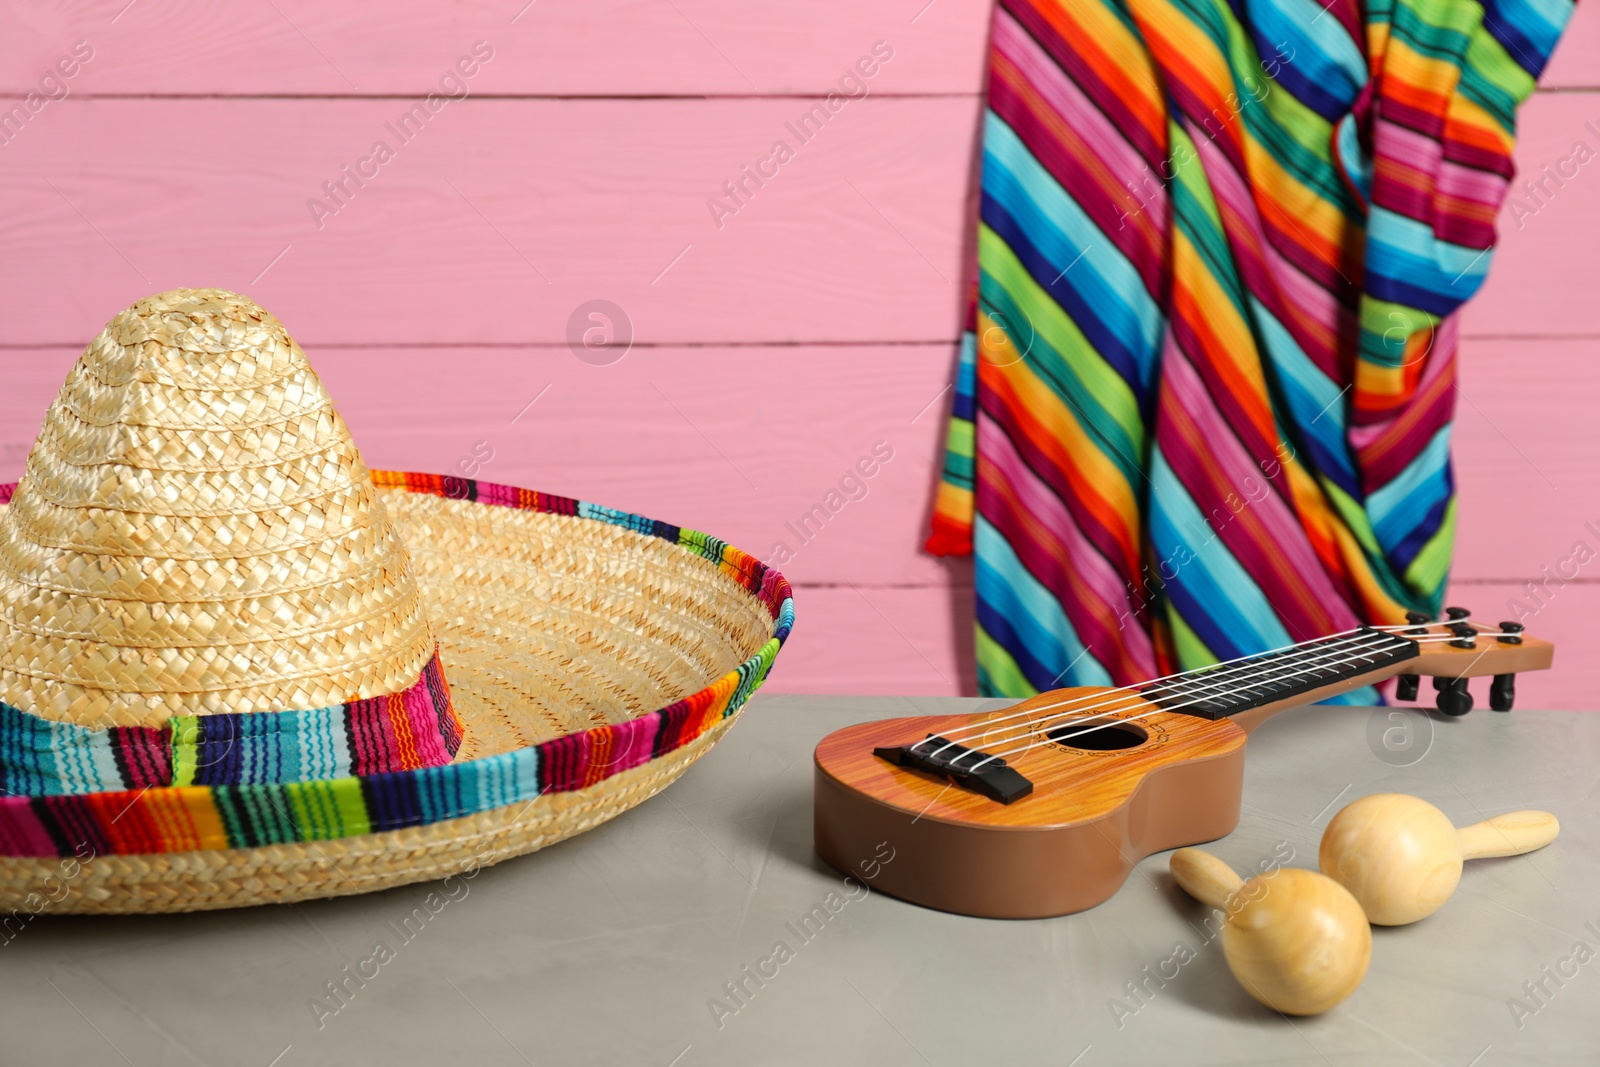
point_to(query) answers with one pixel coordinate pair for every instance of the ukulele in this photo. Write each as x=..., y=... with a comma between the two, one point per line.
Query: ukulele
x=1043, y=808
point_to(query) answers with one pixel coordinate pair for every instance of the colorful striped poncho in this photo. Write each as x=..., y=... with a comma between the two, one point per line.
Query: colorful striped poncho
x=1204, y=407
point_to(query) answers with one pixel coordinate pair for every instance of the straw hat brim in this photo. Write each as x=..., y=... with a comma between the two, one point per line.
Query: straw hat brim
x=592, y=656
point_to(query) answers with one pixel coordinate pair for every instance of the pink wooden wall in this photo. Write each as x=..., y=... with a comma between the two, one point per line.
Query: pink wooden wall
x=771, y=352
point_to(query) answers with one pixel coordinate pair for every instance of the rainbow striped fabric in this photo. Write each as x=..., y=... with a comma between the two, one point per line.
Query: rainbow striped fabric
x=1204, y=407
x=196, y=817
x=416, y=727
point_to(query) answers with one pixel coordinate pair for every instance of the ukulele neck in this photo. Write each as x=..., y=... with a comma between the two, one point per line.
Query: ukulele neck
x=1248, y=691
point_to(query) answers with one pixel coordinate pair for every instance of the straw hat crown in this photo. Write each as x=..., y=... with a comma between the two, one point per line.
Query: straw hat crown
x=197, y=534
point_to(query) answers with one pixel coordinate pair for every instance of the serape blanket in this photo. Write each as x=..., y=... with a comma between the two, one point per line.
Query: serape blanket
x=1204, y=405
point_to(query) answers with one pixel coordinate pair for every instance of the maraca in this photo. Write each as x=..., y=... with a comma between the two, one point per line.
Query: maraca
x=1401, y=857
x=1298, y=942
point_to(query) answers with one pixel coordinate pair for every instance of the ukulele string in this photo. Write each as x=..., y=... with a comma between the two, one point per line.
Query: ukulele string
x=1115, y=722
x=956, y=736
x=1314, y=665
x=1076, y=705
x=1193, y=686
x=1128, y=707
x=972, y=731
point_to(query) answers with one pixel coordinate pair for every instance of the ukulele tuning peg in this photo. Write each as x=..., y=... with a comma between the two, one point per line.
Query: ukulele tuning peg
x=1454, y=697
x=1503, y=690
x=1405, y=685
x=1457, y=614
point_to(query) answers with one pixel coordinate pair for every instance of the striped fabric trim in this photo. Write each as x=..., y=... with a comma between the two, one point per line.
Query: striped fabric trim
x=401, y=731
x=157, y=819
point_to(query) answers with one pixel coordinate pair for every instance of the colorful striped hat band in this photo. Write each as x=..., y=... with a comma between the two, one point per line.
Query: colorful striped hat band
x=222, y=635
x=416, y=727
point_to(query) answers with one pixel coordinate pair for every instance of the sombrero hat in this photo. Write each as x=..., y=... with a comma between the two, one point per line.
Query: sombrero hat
x=236, y=667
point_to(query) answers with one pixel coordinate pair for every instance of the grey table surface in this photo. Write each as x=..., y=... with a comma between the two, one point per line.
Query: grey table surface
x=616, y=946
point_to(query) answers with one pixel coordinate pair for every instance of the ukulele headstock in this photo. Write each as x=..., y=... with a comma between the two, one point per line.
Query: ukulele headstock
x=1455, y=649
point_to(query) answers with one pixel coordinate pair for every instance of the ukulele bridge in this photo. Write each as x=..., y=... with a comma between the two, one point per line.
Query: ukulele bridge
x=969, y=768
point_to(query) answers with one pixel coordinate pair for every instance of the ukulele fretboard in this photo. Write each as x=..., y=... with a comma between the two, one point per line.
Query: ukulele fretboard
x=1217, y=692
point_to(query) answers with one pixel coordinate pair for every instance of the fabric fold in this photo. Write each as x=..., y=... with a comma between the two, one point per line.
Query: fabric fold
x=1209, y=376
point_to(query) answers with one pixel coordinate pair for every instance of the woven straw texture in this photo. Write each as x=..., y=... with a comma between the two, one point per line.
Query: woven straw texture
x=284, y=874
x=188, y=505
x=551, y=624
x=196, y=533
x=548, y=624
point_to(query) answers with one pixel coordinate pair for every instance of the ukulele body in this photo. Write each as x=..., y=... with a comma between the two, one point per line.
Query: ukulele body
x=1095, y=810
x=1067, y=846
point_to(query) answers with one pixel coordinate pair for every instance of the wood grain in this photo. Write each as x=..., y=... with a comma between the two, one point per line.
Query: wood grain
x=1296, y=940
x=1204, y=877
x=555, y=47
x=1566, y=619
x=1397, y=854
x=1527, y=457
x=1511, y=834
x=1401, y=857
x=666, y=432
x=1070, y=786
x=1487, y=657
x=1537, y=283
x=1069, y=841
x=503, y=216
x=1514, y=428
x=496, y=221
x=1067, y=846
x=868, y=640
x=1576, y=63
x=859, y=239
x=795, y=419
x=1073, y=785
x=911, y=638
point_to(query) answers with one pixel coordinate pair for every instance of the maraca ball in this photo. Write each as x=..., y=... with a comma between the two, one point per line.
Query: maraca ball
x=1298, y=942
x=1398, y=855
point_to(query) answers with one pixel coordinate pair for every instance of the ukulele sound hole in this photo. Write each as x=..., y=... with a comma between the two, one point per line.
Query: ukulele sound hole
x=1099, y=735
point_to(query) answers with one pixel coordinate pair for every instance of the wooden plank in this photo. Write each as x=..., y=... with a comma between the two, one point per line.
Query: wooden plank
x=604, y=433
x=553, y=47
x=771, y=457
x=669, y=434
x=496, y=221
x=795, y=419
x=1538, y=284
x=874, y=641
x=1576, y=63
x=1527, y=456
x=1564, y=615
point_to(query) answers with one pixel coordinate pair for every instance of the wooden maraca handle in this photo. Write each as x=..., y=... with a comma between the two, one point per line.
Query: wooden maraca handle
x=1204, y=877
x=1510, y=834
